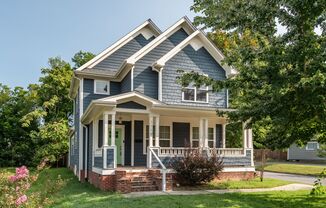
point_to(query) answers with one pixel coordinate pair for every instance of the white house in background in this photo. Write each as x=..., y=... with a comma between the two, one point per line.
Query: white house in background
x=308, y=152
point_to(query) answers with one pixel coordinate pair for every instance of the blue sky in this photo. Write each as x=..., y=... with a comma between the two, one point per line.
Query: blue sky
x=32, y=31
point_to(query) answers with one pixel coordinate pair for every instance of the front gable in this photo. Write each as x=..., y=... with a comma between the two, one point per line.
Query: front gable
x=131, y=105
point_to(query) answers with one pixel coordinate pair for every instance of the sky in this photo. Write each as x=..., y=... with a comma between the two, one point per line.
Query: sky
x=35, y=30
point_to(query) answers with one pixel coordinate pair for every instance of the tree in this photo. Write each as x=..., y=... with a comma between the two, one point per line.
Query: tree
x=281, y=77
x=15, y=141
x=81, y=58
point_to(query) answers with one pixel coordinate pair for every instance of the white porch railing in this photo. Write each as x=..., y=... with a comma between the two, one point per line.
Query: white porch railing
x=179, y=151
x=227, y=151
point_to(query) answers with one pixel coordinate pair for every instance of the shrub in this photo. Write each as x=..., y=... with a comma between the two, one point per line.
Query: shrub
x=15, y=189
x=318, y=188
x=196, y=167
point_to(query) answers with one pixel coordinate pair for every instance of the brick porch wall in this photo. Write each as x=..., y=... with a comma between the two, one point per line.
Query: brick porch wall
x=121, y=181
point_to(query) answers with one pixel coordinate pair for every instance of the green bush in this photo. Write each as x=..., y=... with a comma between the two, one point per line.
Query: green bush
x=196, y=167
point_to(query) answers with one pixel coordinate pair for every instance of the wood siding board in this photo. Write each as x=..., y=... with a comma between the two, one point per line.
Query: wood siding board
x=131, y=105
x=190, y=60
x=112, y=63
x=297, y=153
x=145, y=79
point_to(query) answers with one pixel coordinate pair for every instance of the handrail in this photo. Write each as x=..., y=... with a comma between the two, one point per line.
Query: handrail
x=163, y=169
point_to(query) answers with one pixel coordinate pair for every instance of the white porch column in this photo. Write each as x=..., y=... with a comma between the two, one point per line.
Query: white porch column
x=150, y=142
x=244, y=135
x=201, y=134
x=249, y=135
x=206, y=133
x=105, y=129
x=157, y=131
x=223, y=135
x=113, y=129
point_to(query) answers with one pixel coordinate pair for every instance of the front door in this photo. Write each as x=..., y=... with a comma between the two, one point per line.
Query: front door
x=118, y=143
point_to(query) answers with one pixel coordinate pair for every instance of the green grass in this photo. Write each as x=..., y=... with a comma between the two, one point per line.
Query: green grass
x=247, y=184
x=76, y=194
x=313, y=170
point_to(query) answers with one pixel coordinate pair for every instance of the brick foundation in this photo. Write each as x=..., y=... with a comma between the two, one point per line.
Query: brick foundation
x=150, y=180
x=235, y=176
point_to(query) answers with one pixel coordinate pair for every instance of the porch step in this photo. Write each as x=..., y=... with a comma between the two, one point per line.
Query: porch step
x=144, y=188
x=143, y=181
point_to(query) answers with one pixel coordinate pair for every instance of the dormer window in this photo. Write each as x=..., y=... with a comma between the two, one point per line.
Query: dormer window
x=194, y=94
x=102, y=87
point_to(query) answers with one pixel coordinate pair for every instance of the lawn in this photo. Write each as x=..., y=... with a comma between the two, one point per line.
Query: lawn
x=302, y=169
x=76, y=194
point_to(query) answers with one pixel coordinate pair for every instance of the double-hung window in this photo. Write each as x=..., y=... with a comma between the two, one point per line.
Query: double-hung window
x=102, y=87
x=164, y=136
x=195, y=94
x=195, y=137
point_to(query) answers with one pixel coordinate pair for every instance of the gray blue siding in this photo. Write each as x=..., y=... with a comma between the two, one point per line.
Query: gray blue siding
x=131, y=105
x=89, y=95
x=146, y=80
x=126, y=83
x=110, y=158
x=112, y=63
x=190, y=60
x=98, y=162
x=90, y=147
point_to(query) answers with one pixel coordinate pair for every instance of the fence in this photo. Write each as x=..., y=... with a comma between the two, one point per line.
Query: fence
x=271, y=154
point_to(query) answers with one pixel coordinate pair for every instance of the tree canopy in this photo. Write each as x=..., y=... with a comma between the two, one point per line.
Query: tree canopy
x=281, y=76
x=34, y=123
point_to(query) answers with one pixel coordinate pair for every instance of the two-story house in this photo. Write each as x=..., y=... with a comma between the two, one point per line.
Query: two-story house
x=131, y=116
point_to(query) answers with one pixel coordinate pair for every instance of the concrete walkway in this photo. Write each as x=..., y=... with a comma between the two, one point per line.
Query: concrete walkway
x=289, y=187
x=293, y=177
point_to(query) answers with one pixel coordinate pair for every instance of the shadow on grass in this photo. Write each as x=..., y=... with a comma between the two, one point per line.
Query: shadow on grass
x=76, y=194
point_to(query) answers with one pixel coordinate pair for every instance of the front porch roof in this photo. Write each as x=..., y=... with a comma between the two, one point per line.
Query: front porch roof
x=97, y=107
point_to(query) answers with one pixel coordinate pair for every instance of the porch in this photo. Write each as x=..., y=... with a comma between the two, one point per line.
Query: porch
x=135, y=131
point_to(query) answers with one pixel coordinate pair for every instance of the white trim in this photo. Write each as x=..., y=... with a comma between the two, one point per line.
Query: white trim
x=194, y=40
x=239, y=169
x=160, y=88
x=108, y=85
x=195, y=95
x=81, y=146
x=308, y=149
x=103, y=172
x=132, y=79
x=139, y=54
x=86, y=148
x=119, y=44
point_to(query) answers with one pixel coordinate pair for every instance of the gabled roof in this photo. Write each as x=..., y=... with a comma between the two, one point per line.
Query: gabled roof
x=107, y=52
x=197, y=40
x=184, y=23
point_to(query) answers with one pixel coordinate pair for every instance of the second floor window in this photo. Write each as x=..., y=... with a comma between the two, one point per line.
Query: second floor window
x=195, y=94
x=102, y=87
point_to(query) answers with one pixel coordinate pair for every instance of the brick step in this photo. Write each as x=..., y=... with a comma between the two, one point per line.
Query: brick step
x=143, y=188
x=143, y=178
x=141, y=183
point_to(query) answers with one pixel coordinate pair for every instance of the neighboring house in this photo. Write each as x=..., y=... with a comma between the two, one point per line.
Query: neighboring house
x=307, y=152
x=131, y=116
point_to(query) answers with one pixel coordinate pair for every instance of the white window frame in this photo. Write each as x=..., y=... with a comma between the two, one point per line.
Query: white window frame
x=310, y=148
x=192, y=136
x=145, y=139
x=195, y=94
x=102, y=93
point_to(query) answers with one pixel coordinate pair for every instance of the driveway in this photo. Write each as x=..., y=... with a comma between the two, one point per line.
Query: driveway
x=292, y=177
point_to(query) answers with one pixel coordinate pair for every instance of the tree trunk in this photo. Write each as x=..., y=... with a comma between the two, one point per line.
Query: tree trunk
x=263, y=163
